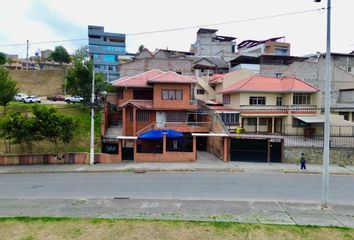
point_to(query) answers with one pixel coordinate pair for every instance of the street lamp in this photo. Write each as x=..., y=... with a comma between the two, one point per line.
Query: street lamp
x=92, y=135
x=325, y=173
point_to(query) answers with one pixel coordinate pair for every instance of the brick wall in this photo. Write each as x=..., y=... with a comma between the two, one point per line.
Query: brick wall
x=173, y=104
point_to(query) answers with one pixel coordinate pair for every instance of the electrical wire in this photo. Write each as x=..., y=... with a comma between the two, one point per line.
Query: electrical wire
x=179, y=29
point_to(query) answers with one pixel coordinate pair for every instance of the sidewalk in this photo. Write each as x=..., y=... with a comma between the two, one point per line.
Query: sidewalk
x=203, y=166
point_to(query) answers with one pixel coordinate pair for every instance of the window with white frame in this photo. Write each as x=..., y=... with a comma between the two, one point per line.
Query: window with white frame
x=257, y=100
x=302, y=99
x=167, y=94
x=279, y=101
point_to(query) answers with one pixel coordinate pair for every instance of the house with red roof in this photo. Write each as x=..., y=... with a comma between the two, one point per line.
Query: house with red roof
x=150, y=101
x=272, y=105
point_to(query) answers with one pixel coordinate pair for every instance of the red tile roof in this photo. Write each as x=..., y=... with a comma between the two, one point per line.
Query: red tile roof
x=139, y=80
x=172, y=77
x=270, y=84
x=153, y=76
x=141, y=104
x=217, y=78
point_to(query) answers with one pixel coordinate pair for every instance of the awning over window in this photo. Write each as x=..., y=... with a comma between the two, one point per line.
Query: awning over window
x=311, y=119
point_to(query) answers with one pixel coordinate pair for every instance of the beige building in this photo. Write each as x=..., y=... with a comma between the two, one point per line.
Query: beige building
x=273, y=105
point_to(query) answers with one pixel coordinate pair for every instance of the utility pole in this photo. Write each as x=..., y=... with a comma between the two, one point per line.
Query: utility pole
x=27, y=54
x=92, y=142
x=327, y=124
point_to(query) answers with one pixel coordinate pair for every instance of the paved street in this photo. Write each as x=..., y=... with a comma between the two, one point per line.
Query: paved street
x=199, y=186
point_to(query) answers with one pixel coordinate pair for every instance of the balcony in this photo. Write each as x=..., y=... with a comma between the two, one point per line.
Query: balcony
x=270, y=109
x=303, y=109
x=194, y=127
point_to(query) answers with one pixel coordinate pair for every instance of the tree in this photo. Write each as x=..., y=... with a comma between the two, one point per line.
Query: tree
x=8, y=88
x=82, y=53
x=141, y=48
x=3, y=58
x=60, y=55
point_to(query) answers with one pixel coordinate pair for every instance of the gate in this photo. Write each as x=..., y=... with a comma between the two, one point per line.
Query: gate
x=127, y=153
x=275, y=152
x=249, y=150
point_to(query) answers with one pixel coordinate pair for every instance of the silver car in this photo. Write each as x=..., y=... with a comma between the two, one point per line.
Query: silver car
x=32, y=99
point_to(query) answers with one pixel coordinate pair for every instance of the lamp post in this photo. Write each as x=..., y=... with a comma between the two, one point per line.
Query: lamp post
x=325, y=173
x=92, y=134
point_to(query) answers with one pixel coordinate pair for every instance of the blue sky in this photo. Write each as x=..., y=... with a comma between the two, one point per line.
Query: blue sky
x=39, y=20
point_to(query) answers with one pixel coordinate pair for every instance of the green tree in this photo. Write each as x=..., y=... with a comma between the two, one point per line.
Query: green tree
x=53, y=126
x=8, y=88
x=82, y=53
x=141, y=48
x=60, y=55
x=23, y=129
x=6, y=129
x=3, y=58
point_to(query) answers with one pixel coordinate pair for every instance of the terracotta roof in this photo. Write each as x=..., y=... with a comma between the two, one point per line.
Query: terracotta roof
x=141, y=104
x=220, y=108
x=217, y=78
x=270, y=84
x=171, y=77
x=139, y=80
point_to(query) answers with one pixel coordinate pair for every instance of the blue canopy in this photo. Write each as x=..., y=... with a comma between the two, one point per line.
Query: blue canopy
x=157, y=134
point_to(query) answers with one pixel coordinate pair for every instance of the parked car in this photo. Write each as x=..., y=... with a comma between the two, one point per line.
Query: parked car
x=32, y=99
x=74, y=99
x=56, y=98
x=20, y=96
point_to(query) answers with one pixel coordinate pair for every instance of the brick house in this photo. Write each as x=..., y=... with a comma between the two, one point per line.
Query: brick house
x=155, y=100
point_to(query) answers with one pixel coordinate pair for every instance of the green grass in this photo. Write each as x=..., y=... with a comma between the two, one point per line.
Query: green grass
x=76, y=228
x=81, y=141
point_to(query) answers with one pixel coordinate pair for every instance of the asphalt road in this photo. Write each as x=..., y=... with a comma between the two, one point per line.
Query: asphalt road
x=197, y=186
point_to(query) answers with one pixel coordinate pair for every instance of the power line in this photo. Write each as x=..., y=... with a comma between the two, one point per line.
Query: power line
x=229, y=22
x=181, y=28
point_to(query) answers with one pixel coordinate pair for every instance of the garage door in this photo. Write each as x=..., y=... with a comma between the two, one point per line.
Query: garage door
x=249, y=150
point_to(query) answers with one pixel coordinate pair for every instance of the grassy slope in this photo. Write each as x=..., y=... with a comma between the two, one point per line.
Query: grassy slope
x=42, y=83
x=63, y=228
x=80, y=143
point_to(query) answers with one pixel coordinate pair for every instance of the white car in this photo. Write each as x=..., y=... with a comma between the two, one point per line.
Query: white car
x=74, y=99
x=20, y=96
x=32, y=99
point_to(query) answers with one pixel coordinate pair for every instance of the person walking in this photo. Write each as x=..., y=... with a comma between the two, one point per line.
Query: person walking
x=303, y=161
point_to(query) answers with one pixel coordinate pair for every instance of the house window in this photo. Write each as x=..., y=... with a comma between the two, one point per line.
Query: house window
x=120, y=94
x=281, y=51
x=201, y=91
x=278, y=75
x=230, y=118
x=251, y=121
x=176, y=116
x=142, y=116
x=345, y=115
x=143, y=94
x=301, y=99
x=263, y=121
x=279, y=101
x=226, y=99
x=349, y=68
x=257, y=100
x=131, y=115
x=171, y=94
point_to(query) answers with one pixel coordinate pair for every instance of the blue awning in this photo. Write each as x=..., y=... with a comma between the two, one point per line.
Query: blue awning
x=158, y=134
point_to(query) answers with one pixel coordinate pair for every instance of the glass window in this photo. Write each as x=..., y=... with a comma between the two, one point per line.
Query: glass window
x=251, y=121
x=279, y=101
x=109, y=58
x=257, y=100
x=263, y=121
x=301, y=99
x=226, y=99
x=230, y=118
x=172, y=94
x=142, y=116
x=96, y=56
x=200, y=91
x=281, y=51
x=176, y=116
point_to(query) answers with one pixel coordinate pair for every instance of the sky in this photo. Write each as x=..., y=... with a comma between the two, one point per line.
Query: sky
x=48, y=20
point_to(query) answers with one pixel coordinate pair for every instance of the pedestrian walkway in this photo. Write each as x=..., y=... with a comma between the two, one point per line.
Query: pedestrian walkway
x=198, y=166
x=271, y=212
